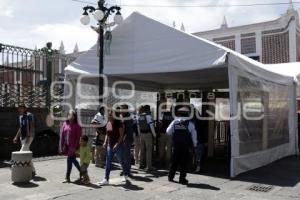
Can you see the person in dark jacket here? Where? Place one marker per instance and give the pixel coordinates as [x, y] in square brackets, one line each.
[128, 136]
[165, 140]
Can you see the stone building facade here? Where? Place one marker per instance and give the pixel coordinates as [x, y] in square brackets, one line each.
[276, 41]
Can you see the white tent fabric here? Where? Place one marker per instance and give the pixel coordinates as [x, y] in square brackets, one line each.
[132, 48]
[256, 143]
[157, 57]
[288, 69]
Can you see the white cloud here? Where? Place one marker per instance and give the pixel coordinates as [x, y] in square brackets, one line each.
[200, 19]
[39, 35]
[5, 9]
[71, 32]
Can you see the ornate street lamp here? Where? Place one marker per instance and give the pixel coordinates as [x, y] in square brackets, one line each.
[101, 14]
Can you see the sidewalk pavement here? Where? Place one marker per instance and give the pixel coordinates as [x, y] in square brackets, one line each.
[280, 178]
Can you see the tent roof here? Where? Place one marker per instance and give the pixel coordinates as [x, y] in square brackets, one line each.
[143, 45]
[288, 69]
[155, 55]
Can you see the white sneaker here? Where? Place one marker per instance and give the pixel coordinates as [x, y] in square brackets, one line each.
[125, 179]
[103, 182]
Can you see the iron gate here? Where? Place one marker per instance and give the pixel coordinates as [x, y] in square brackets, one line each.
[26, 75]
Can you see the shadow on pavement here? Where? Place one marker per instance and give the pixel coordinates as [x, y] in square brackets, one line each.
[4, 164]
[284, 173]
[91, 185]
[157, 174]
[216, 168]
[39, 179]
[26, 185]
[141, 178]
[129, 186]
[202, 186]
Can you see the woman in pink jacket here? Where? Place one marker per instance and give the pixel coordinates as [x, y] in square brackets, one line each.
[69, 142]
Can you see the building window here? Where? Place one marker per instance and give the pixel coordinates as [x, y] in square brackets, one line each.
[275, 48]
[248, 45]
[257, 58]
[229, 44]
[298, 46]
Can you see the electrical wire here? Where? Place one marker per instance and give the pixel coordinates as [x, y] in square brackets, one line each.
[197, 6]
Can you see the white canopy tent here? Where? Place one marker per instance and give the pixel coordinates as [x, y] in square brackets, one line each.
[288, 69]
[156, 57]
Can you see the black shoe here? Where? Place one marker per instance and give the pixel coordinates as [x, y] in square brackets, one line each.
[78, 180]
[183, 182]
[170, 179]
[151, 169]
[130, 175]
[198, 170]
[142, 167]
[67, 180]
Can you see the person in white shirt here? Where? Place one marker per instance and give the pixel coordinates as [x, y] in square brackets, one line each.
[99, 152]
[184, 136]
[26, 131]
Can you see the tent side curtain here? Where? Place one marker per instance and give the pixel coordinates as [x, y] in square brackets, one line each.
[263, 128]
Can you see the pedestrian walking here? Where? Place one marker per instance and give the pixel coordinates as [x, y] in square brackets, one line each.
[26, 131]
[85, 159]
[70, 142]
[128, 136]
[184, 136]
[114, 146]
[146, 131]
[99, 152]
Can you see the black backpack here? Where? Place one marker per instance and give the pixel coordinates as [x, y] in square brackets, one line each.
[166, 121]
[144, 126]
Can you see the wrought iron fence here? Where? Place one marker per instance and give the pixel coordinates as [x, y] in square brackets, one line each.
[26, 75]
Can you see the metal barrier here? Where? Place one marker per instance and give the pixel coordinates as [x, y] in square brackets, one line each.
[222, 138]
[26, 75]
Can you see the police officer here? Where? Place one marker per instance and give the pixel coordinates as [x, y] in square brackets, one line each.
[184, 137]
[146, 131]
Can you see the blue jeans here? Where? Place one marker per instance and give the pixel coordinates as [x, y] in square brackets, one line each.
[70, 161]
[109, 157]
[199, 155]
[127, 156]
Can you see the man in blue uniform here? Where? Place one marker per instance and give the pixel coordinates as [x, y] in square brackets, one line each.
[184, 136]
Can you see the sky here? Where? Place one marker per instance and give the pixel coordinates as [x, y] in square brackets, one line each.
[30, 23]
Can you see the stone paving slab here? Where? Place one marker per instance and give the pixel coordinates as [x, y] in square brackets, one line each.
[48, 184]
